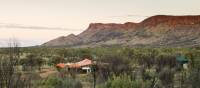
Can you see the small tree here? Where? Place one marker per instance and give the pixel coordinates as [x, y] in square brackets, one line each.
[123, 81]
[9, 75]
[116, 65]
[56, 59]
[57, 82]
[32, 61]
[167, 76]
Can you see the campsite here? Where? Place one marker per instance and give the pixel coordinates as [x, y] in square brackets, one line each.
[100, 67]
[100, 44]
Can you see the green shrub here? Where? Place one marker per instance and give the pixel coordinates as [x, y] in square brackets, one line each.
[122, 81]
[56, 82]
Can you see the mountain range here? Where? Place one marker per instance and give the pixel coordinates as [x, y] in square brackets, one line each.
[155, 31]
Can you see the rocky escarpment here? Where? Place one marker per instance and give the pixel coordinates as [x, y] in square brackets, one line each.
[155, 31]
[171, 21]
[112, 26]
[101, 32]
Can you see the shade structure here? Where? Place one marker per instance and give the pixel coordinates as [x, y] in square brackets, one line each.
[84, 62]
[73, 65]
[80, 64]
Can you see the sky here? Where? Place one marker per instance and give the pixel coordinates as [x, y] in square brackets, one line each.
[34, 22]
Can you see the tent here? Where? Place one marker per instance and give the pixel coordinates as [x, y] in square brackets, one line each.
[182, 59]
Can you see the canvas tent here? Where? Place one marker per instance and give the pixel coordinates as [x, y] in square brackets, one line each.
[182, 59]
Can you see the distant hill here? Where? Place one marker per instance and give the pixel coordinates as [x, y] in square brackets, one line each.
[155, 31]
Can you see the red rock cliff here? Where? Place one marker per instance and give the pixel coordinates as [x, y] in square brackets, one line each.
[171, 20]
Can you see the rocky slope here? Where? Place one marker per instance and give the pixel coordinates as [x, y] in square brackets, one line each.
[155, 31]
[64, 41]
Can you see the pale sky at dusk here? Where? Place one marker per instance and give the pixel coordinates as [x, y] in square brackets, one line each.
[34, 22]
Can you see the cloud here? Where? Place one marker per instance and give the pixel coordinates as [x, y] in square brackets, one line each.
[129, 15]
[20, 26]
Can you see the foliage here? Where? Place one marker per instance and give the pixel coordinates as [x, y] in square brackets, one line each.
[167, 76]
[10, 77]
[116, 64]
[144, 67]
[194, 78]
[56, 59]
[123, 81]
[57, 82]
[32, 61]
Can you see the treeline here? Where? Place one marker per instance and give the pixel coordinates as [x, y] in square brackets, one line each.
[122, 67]
[145, 67]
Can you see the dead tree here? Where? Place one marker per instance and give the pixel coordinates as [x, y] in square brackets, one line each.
[9, 76]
